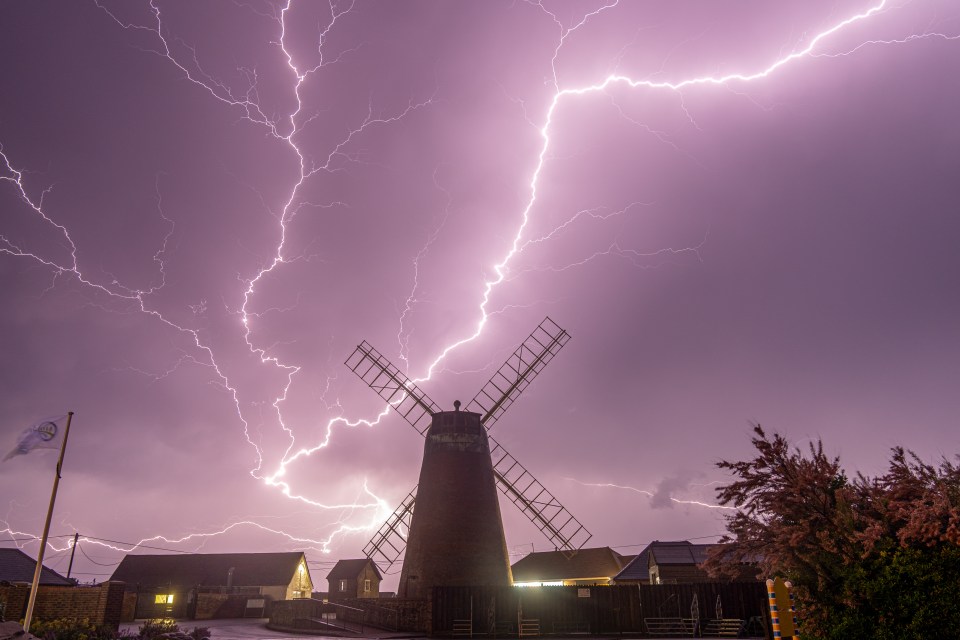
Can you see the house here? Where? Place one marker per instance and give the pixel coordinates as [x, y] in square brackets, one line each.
[212, 585]
[16, 566]
[667, 562]
[674, 562]
[678, 562]
[358, 578]
[585, 567]
[637, 571]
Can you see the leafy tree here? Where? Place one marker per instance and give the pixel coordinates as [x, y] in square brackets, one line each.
[870, 557]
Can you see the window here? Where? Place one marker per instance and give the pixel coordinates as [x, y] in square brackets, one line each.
[366, 586]
[163, 598]
[343, 585]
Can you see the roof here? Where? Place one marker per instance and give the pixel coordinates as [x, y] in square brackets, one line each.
[16, 566]
[662, 553]
[211, 569]
[638, 568]
[350, 569]
[678, 553]
[602, 562]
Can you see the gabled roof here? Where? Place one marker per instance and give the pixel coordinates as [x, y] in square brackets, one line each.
[350, 569]
[662, 553]
[16, 566]
[681, 552]
[211, 569]
[602, 562]
[638, 568]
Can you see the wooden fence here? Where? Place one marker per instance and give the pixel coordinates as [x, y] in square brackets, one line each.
[737, 608]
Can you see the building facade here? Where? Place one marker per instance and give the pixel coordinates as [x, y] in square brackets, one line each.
[674, 562]
[587, 567]
[211, 585]
[359, 578]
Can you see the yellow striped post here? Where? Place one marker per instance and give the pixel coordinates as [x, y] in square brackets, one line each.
[779, 598]
[793, 611]
[774, 616]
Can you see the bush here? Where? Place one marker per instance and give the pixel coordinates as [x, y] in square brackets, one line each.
[161, 629]
[64, 629]
[168, 629]
[874, 558]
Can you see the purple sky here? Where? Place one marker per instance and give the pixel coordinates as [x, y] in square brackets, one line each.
[782, 249]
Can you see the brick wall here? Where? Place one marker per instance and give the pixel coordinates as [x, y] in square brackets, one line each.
[129, 610]
[15, 601]
[288, 613]
[102, 604]
[407, 614]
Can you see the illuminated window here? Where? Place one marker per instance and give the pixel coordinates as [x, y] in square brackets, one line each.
[343, 585]
[161, 598]
[366, 586]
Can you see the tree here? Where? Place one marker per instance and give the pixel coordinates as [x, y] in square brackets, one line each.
[870, 557]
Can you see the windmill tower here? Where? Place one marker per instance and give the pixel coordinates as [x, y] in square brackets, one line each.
[456, 536]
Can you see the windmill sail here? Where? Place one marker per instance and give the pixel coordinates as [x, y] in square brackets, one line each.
[518, 371]
[557, 524]
[386, 547]
[404, 396]
[564, 531]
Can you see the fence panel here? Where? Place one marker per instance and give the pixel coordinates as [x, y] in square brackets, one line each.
[600, 610]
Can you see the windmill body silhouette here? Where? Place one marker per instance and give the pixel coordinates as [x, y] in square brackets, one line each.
[455, 537]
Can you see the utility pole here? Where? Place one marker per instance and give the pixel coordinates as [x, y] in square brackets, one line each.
[76, 537]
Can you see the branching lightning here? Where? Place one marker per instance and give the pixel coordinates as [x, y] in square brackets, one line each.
[651, 494]
[285, 131]
[403, 334]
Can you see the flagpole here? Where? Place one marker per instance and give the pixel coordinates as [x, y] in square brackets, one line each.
[46, 530]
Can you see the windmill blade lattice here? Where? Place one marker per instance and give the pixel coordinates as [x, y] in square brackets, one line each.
[557, 524]
[518, 371]
[387, 545]
[404, 396]
[564, 531]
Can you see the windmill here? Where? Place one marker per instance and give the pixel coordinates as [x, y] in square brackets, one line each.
[456, 537]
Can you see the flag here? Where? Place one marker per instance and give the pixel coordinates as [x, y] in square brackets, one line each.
[45, 434]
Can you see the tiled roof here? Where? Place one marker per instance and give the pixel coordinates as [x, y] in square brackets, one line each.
[679, 552]
[16, 566]
[638, 568]
[602, 562]
[210, 569]
[666, 552]
[350, 569]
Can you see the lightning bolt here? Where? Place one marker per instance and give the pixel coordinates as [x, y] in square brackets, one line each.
[255, 114]
[650, 494]
[322, 544]
[403, 335]
[286, 131]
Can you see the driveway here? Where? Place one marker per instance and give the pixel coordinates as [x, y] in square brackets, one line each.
[250, 629]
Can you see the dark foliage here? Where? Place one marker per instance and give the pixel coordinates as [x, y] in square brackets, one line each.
[870, 557]
[65, 629]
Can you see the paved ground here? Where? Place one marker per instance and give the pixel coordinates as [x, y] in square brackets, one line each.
[254, 629]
